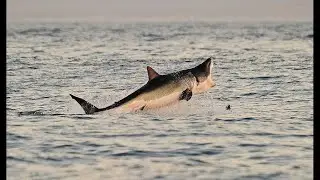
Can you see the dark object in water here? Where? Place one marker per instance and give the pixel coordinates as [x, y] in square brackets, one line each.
[228, 107]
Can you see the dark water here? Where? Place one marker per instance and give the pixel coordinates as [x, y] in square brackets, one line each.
[263, 71]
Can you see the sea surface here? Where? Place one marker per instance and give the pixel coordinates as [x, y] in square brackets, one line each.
[264, 71]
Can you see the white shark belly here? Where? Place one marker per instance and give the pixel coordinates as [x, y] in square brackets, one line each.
[163, 101]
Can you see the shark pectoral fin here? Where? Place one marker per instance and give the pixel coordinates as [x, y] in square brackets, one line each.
[186, 95]
[87, 107]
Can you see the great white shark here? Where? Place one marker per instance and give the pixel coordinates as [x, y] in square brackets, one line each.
[162, 90]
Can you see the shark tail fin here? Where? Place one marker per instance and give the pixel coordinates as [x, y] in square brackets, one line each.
[87, 107]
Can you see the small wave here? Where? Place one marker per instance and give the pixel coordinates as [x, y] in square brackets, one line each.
[262, 77]
[14, 136]
[249, 94]
[159, 177]
[40, 31]
[58, 159]
[156, 39]
[63, 146]
[257, 157]
[196, 134]
[26, 113]
[87, 143]
[99, 45]
[11, 158]
[183, 152]
[117, 30]
[51, 159]
[250, 49]
[78, 116]
[264, 134]
[135, 153]
[196, 144]
[283, 135]
[309, 36]
[236, 119]
[302, 135]
[152, 37]
[38, 51]
[161, 135]
[41, 113]
[262, 176]
[11, 34]
[198, 161]
[252, 145]
[121, 135]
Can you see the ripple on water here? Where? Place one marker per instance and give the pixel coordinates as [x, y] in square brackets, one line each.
[175, 153]
[236, 119]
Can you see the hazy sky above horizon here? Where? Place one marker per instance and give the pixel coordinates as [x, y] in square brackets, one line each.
[163, 10]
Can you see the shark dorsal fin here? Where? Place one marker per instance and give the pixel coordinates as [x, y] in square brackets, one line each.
[151, 73]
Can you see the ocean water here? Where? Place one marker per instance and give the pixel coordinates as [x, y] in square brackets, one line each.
[264, 71]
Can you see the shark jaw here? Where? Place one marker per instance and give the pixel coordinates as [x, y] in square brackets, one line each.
[203, 86]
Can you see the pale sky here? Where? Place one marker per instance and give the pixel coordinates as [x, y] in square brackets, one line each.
[159, 10]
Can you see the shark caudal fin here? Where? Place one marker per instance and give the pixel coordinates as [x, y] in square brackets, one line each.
[87, 107]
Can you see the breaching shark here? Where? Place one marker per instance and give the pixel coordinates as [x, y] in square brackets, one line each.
[161, 90]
